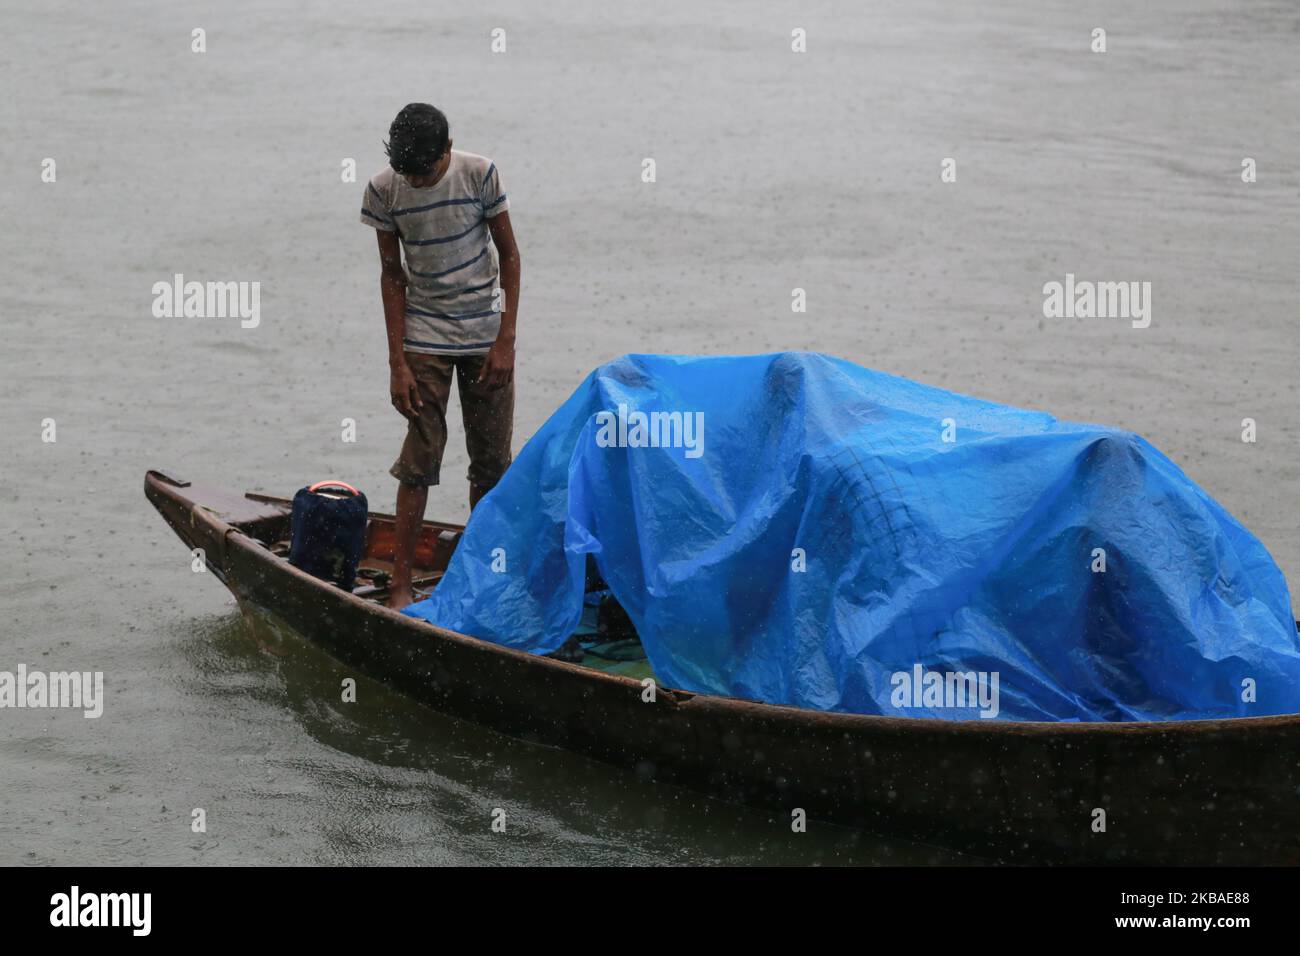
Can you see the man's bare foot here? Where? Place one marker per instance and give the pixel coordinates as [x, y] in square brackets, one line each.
[399, 599]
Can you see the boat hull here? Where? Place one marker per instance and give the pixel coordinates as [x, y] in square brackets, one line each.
[1205, 792]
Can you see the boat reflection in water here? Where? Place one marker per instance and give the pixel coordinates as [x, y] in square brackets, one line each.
[408, 785]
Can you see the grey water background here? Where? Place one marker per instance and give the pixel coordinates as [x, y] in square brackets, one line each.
[775, 171]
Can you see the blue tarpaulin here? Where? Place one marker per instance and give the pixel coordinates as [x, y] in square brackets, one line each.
[796, 529]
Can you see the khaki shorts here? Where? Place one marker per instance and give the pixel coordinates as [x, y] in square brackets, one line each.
[488, 416]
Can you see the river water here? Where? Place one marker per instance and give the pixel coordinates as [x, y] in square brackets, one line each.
[774, 171]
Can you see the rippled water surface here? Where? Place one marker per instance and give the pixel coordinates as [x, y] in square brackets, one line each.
[775, 171]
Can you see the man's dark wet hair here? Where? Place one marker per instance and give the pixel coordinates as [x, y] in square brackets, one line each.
[417, 139]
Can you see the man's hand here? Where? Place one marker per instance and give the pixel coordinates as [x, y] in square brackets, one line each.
[403, 390]
[499, 368]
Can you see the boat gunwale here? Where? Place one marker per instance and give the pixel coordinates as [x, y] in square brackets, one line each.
[783, 713]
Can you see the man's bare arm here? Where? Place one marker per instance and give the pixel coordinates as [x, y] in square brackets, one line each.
[392, 287]
[500, 365]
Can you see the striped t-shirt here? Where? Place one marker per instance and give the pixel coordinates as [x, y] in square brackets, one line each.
[451, 263]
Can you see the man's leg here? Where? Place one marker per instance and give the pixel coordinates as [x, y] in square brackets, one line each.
[411, 500]
[489, 417]
[417, 467]
[475, 493]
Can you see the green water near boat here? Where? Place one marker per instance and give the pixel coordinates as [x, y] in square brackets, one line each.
[410, 777]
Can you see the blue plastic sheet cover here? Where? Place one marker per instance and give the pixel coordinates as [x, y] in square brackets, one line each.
[842, 539]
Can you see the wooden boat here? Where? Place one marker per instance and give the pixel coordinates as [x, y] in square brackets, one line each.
[1209, 791]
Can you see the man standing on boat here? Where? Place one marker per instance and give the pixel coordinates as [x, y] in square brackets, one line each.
[450, 310]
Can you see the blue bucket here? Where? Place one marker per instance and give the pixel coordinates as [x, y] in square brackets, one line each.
[328, 531]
